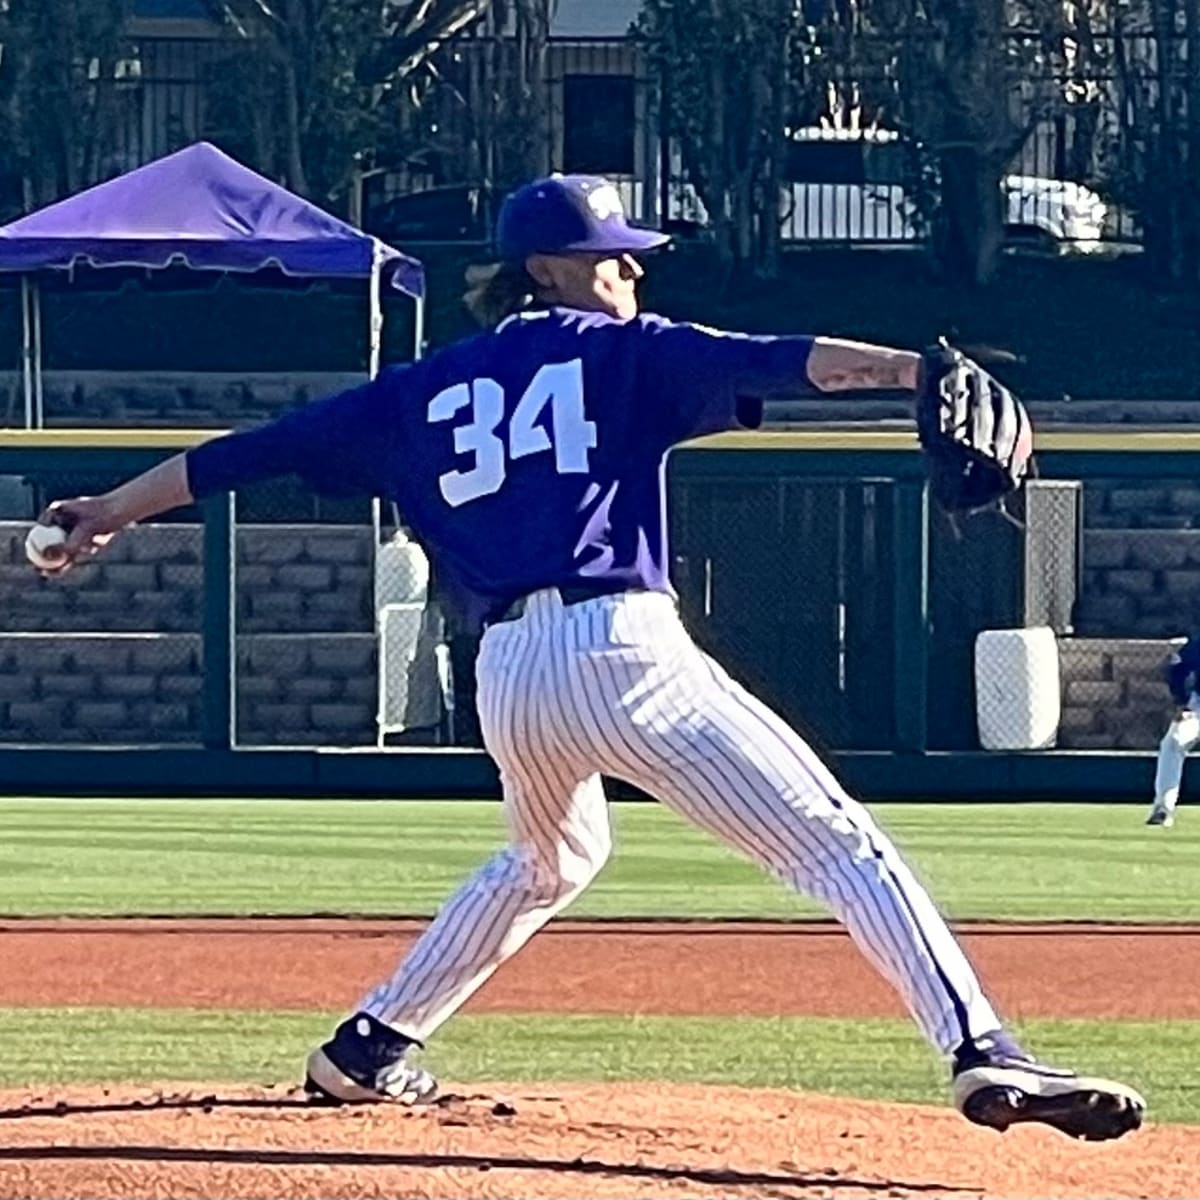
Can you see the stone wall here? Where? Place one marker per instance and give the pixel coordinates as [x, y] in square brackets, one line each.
[1113, 692]
[225, 399]
[1141, 562]
[136, 688]
[174, 399]
[290, 579]
[307, 654]
[111, 653]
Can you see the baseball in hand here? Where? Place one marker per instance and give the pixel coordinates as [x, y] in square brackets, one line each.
[44, 547]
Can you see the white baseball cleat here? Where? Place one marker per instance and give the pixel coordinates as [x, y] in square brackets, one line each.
[995, 1087]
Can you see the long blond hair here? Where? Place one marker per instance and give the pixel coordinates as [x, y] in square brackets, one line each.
[497, 290]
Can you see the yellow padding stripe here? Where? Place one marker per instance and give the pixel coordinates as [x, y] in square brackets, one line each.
[105, 439]
[844, 440]
[1115, 440]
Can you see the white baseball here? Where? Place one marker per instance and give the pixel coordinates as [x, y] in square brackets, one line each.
[43, 546]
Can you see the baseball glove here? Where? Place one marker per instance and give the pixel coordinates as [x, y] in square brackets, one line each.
[976, 434]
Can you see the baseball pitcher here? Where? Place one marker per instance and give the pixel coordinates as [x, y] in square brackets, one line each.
[529, 461]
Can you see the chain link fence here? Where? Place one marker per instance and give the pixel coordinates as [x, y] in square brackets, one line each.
[338, 640]
[1048, 626]
[110, 654]
[789, 584]
[595, 107]
[324, 592]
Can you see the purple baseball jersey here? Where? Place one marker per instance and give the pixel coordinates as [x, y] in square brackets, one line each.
[528, 457]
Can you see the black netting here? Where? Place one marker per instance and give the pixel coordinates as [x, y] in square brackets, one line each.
[788, 583]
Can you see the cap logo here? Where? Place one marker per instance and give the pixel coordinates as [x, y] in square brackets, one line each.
[605, 202]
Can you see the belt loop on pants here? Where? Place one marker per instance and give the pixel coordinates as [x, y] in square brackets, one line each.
[569, 594]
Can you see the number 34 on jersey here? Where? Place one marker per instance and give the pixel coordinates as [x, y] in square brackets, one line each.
[558, 386]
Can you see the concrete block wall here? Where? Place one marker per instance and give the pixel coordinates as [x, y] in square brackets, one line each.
[118, 659]
[305, 579]
[173, 399]
[100, 688]
[1113, 692]
[306, 689]
[230, 399]
[1140, 582]
[291, 579]
[137, 688]
[147, 580]
[111, 653]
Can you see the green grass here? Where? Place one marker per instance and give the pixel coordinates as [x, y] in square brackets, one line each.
[1029, 861]
[882, 1059]
[234, 857]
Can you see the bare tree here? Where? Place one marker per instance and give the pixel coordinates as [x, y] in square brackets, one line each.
[723, 70]
[511, 117]
[339, 69]
[58, 90]
[1158, 47]
[955, 87]
[967, 81]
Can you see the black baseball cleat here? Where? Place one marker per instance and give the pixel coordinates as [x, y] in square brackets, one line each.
[997, 1085]
[365, 1062]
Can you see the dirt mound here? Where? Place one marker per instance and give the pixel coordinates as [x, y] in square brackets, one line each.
[557, 1142]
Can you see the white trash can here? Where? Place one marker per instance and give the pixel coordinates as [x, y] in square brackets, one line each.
[1018, 697]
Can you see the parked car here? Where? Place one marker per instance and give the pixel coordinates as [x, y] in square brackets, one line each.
[851, 186]
[455, 213]
[840, 186]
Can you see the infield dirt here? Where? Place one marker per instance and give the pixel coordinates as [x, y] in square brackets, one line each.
[557, 1140]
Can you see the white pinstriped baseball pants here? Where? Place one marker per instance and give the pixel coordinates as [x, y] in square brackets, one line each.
[1177, 743]
[616, 685]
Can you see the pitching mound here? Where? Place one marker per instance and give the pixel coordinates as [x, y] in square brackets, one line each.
[555, 1142]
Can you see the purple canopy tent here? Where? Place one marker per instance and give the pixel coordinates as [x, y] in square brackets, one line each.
[201, 209]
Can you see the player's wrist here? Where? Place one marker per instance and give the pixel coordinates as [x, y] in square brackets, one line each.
[837, 365]
[112, 511]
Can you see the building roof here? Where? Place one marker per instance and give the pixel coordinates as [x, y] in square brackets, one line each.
[590, 18]
[173, 10]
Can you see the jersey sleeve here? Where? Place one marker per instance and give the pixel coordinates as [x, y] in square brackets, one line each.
[701, 380]
[339, 446]
[1183, 671]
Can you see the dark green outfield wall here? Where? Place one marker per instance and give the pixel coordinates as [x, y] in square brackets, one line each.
[1091, 329]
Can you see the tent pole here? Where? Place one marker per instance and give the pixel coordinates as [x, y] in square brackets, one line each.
[375, 332]
[26, 352]
[35, 306]
[419, 327]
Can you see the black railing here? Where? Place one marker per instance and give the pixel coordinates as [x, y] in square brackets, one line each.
[593, 105]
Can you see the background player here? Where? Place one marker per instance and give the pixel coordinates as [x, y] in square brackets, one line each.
[529, 461]
[1183, 678]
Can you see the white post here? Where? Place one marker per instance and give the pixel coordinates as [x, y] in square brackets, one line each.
[39, 409]
[26, 352]
[375, 333]
[419, 328]
[374, 352]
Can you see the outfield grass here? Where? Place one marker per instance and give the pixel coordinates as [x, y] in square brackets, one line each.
[1027, 861]
[881, 1059]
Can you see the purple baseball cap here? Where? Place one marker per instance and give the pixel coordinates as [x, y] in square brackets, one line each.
[562, 214]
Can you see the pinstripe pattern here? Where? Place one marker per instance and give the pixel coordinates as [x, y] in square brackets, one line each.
[1179, 740]
[616, 686]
